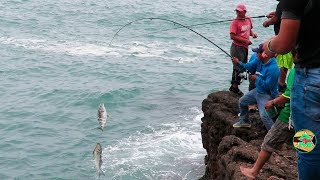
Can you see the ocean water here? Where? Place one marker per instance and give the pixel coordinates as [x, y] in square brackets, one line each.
[57, 65]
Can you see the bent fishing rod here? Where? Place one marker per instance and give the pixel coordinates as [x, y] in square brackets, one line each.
[201, 24]
[174, 22]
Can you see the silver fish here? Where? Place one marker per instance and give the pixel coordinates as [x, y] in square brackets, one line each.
[102, 116]
[97, 159]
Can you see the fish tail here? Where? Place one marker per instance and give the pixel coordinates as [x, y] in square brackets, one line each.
[100, 128]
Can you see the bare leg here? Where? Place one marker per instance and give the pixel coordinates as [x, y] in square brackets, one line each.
[263, 157]
[253, 108]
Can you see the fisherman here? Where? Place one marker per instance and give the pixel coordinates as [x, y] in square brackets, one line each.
[279, 132]
[240, 31]
[266, 77]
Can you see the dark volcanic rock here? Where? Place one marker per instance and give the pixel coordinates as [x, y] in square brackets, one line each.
[228, 148]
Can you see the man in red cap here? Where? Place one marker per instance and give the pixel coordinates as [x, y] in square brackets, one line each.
[240, 31]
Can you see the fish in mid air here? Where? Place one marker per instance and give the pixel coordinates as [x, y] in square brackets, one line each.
[102, 116]
[97, 159]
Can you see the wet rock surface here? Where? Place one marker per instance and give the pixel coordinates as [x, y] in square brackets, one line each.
[228, 148]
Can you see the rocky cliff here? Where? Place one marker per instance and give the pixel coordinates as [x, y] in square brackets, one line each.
[228, 148]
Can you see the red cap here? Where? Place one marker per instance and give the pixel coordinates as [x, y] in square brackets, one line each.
[241, 7]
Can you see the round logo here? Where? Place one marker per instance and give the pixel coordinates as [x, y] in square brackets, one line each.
[304, 141]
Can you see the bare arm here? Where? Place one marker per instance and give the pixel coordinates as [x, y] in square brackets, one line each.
[279, 101]
[285, 40]
[254, 35]
[270, 21]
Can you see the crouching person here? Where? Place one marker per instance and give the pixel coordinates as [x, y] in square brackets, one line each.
[266, 75]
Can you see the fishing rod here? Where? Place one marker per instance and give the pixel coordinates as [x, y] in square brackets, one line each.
[213, 22]
[174, 22]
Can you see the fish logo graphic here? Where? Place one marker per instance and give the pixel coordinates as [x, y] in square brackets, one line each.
[304, 141]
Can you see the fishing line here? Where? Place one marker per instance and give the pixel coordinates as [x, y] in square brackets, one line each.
[174, 22]
[201, 24]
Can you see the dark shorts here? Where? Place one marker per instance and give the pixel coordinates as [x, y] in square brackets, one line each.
[240, 52]
[276, 136]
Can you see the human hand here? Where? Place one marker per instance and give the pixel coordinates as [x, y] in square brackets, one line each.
[254, 35]
[248, 42]
[271, 14]
[269, 104]
[252, 77]
[265, 23]
[235, 60]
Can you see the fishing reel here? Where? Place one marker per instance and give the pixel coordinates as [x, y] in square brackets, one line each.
[243, 75]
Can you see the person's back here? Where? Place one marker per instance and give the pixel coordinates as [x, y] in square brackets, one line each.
[308, 39]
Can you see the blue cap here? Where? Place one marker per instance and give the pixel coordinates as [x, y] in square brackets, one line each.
[258, 49]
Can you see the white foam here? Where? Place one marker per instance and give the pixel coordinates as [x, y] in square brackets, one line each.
[140, 49]
[200, 50]
[163, 148]
[160, 50]
[71, 48]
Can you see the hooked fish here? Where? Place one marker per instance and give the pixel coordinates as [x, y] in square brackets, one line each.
[102, 116]
[97, 158]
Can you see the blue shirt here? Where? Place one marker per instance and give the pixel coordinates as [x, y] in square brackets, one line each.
[267, 74]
